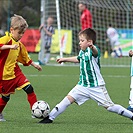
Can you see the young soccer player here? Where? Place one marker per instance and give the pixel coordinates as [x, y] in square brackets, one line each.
[91, 84]
[13, 51]
[113, 38]
[131, 85]
[47, 40]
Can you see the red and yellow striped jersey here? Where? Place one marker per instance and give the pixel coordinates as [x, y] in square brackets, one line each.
[9, 58]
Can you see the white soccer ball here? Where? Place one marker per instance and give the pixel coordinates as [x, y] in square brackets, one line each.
[113, 54]
[40, 109]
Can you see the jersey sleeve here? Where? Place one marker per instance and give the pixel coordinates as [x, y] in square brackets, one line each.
[5, 39]
[23, 56]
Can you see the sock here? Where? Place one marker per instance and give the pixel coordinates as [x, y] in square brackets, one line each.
[120, 110]
[115, 53]
[31, 98]
[120, 50]
[47, 56]
[59, 108]
[2, 104]
[131, 97]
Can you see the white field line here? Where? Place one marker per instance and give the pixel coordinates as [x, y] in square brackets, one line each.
[108, 76]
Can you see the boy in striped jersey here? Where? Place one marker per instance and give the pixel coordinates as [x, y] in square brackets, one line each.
[91, 84]
[46, 42]
[131, 85]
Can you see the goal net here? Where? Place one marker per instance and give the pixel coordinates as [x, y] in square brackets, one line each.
[118, 13]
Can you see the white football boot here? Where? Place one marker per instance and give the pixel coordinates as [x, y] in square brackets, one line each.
[2, 117]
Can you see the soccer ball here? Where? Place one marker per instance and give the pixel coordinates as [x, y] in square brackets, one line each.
[40, 109]
[113, 54]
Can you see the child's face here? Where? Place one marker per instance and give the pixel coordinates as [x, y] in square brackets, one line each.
[17, 34]
[50, 20]
[81, 7]
[83, 42]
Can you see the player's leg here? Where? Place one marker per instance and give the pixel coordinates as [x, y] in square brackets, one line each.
[7, 88]
[47, 54]
[61, 107]
[120, 49]
[3, 102]
[31, 96]
[77, 94]
[23, 83]
[103, 99]
[47, 57]
[116, 108]
[131, 101]
[112, 42]
[116, 54]
[131, 96]
[41, 53]
[58, 109]
[40, 56]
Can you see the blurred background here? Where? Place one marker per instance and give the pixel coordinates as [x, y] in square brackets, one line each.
[67, 19]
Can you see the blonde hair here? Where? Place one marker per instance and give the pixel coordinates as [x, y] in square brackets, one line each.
[18, 22]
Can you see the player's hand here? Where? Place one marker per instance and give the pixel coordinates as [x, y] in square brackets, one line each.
[60, 60]
[130, 53]
[41, 26]
[14, 46]
[45, 29]
[90, 45]
[38, 67]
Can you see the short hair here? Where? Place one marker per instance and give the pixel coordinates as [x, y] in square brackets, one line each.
[18, 22]
[83, 3]
[89, 33]
[50, 17]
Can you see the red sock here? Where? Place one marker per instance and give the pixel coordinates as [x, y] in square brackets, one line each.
[2, 104]
[31, 98]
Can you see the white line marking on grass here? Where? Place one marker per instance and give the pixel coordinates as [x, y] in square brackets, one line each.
[108, 76]
[115, 76]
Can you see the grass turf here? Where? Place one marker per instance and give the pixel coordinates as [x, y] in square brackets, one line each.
[52, 84]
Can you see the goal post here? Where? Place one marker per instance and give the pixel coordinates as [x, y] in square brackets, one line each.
[66, 15]
[59, 27]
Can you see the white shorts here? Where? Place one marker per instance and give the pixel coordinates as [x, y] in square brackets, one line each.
[98, 94]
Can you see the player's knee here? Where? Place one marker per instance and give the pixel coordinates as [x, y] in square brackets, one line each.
[28, 89]
[6, 98]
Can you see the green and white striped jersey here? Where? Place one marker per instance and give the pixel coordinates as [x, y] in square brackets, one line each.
[90, 75]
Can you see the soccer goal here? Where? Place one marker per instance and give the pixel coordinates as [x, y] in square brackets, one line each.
[118, 13]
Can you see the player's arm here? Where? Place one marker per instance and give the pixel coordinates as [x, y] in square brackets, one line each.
[47, 32]
[4, 47]
[69, 59]
[94, 49]
[25, 59]
[40, 28]
[38, 67]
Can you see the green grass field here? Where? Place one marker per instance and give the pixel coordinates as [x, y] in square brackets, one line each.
[51, 85]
